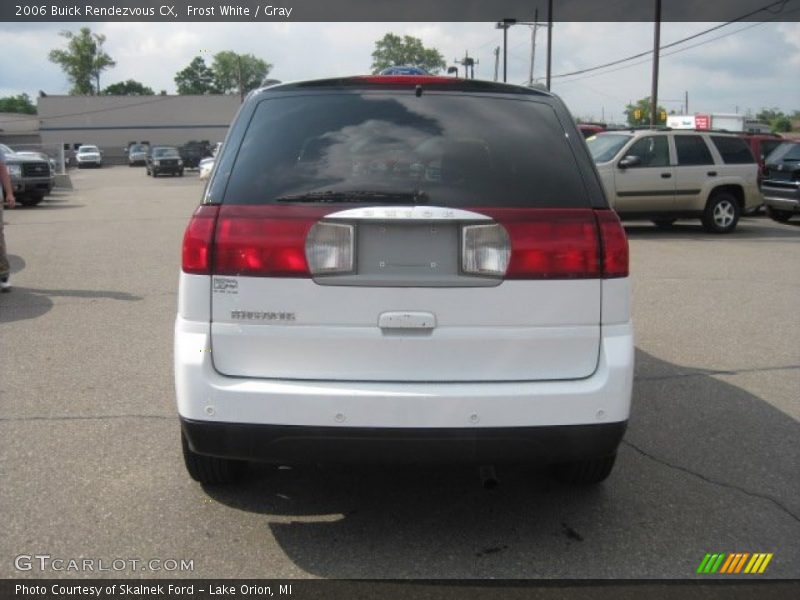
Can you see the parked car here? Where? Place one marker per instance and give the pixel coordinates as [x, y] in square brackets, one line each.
[762, 144]
[590, 129]
[31, 176]
[410, 269]
[42, 156]
[193, 152]
[164, 159]
[137, 154]
[665, 175]
[89, 156]
[781, 187]
[205, 168]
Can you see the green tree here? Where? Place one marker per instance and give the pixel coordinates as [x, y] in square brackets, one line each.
[17, 104]
[639, 114]
[238, 72]
[768, 115]
[195, 79]
[83, 60]
[781, 125]
[128, 88]
[392, 50]
[779, 122]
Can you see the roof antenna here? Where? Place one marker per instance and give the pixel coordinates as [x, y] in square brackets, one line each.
[418, 91]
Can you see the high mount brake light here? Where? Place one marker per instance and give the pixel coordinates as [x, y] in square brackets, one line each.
[407, 79]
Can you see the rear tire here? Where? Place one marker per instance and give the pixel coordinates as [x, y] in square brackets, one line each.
[781, 216]
[584, 472]
[31, 199]
[722, 213]
[210, 469]
[664, 223]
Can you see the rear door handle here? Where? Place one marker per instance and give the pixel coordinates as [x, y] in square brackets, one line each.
[666, 175]
[406, 320]
[712, 173]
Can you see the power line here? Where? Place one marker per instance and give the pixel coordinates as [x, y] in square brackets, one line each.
[767, 8]
[642, 62]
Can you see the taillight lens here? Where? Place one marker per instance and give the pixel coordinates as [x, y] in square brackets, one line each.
[486, 250]
[615, 244]
[329, 248]
[563, 243]
[198, 239]
[264, 241]
[550, 243]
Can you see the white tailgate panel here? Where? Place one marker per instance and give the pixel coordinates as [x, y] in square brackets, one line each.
[296, 329]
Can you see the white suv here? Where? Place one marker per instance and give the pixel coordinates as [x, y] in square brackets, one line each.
[665, 175]
[403, 269]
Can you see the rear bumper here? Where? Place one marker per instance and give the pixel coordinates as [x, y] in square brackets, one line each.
[783, 198]
[205, 395]
[283, 444]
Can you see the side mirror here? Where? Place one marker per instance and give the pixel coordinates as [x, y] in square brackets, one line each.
[629, 161]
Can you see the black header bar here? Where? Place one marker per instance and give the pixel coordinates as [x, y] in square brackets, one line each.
[393, 10]
[310, 589]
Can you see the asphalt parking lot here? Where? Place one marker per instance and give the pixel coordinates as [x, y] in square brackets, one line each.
[90, 463]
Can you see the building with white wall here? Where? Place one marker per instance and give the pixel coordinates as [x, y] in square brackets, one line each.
[111, 122]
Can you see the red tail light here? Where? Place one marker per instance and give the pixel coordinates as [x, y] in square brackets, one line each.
[550, 243]
[266, 241]
[270, 241]
[615, 244]
[198, 239]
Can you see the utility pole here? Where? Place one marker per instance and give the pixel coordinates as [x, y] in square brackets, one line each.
[496, 62]
[549, 39]
[533, 44]
[686, 102]
[469, 65]
[504, 25]
[656, 52]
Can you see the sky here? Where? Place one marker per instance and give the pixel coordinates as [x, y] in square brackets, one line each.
[739, 68]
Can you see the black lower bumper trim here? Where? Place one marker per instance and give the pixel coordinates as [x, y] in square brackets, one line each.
[289, 444]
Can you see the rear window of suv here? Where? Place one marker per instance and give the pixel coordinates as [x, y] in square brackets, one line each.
[734, 150]
[450, 149]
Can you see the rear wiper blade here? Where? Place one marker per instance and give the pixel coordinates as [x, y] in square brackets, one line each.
[399, 197]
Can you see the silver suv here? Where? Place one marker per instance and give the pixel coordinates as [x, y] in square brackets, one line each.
[403, 269]
[665, 175]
